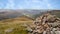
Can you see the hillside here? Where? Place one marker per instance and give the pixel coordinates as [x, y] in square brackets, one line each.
[21, 18]
[53, 12]
[6, 14]
[9, 14]
[15, 25]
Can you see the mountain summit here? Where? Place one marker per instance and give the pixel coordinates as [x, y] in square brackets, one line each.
[45, 22]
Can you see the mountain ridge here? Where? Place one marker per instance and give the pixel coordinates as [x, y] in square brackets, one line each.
[5, 14]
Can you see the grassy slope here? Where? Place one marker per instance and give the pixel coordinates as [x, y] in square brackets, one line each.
[53, 12]
[56, 12]
[17, 24]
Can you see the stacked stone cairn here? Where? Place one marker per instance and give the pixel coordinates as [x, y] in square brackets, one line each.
[46, 24]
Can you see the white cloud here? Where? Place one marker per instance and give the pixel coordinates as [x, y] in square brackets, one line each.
[36, 1]
[10, 4]
[49, 6]
[34, 4]
[46, 4]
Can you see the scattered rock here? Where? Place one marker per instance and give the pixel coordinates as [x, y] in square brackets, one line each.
[9, 30]
[46, 23]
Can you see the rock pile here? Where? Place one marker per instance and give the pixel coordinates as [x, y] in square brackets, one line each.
[46, 24]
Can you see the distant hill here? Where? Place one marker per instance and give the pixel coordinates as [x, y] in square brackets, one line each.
[6, 14]
[55, 12]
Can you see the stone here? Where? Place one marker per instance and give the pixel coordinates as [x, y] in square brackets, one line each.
[46, 23]
[9, 30]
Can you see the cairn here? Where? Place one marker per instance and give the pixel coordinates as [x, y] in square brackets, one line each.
[46, 24]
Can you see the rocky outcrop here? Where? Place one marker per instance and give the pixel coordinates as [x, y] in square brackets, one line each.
[46, 24]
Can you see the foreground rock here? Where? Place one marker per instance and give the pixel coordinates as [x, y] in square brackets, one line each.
[9, 30]
[46, 24]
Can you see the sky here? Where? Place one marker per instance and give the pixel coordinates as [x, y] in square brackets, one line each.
[29, 4]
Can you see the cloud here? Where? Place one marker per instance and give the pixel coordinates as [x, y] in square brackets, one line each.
[28, 4]
[46, 4]
[33, 4]
[10, 4]
[36, 1]
[49, 6]
[43, 4]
